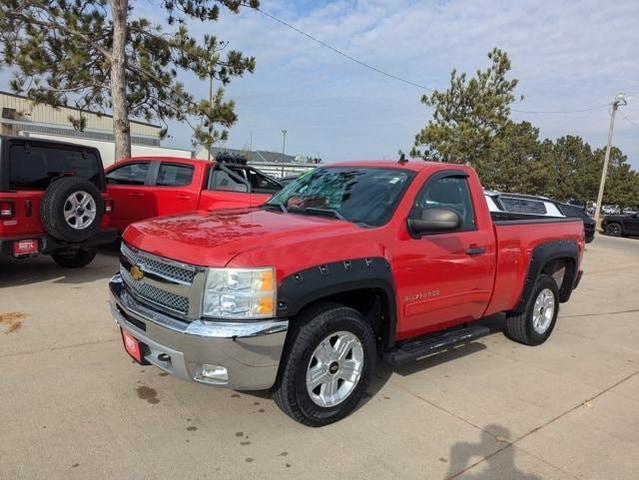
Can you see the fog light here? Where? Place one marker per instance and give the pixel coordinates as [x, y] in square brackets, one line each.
[212, 374]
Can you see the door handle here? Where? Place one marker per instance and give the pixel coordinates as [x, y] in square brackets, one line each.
[136, 195]
[475, 250]
[184, 197]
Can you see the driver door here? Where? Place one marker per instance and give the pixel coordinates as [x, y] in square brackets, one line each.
[444, 278]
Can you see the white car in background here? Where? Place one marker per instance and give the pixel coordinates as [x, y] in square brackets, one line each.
[529, 206]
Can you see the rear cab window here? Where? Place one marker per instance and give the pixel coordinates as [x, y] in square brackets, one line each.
[174, 175]
[32, 165]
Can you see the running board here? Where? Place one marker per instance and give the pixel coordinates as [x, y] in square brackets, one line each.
[413, 350]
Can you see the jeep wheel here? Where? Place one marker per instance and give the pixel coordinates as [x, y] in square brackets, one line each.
[536, 323]
[613, 229]
[72, 209]
[327, 365]
[74, 258]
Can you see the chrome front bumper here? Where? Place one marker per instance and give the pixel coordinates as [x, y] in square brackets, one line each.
[250, 351]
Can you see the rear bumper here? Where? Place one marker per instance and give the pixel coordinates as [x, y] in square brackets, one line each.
[249, 351]
[47, 244]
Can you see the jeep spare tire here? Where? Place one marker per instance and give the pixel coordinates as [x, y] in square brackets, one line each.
[71, 209]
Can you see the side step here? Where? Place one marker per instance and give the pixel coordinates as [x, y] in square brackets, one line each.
[413, 350]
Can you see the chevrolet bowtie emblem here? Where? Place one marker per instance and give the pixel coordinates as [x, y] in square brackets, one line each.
[137, 273]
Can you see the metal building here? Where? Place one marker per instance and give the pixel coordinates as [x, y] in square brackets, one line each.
[20, 116]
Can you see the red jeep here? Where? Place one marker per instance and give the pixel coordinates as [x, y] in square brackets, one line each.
[349, 263]
[52, 201]
[146, 187]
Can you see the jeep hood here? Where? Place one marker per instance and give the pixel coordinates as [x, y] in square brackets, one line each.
[213, 239]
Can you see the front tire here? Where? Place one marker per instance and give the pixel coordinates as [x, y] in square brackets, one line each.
[535, 324]
[613, 229]
[327, 365]
[74, 258]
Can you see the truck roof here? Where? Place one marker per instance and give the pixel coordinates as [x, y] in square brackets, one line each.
[413, 165]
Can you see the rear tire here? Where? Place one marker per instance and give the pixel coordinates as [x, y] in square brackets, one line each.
[334, 347]
[535, 324]
[74, 258]
[613, 229]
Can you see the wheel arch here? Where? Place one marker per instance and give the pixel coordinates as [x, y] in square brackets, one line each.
[364, 284]
[558, 259]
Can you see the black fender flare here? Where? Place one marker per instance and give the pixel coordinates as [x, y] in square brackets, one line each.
[300, 289]
[541, 256]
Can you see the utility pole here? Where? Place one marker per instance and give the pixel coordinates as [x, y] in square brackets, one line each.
[283, 142]
[620, 100]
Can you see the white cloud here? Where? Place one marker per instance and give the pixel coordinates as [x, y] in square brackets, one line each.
[567, 55]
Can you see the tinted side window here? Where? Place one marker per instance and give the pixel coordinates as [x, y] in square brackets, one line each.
[33, 167]
[130, 174]
[221, 180]
[522, 205]
[260, 181]
[174, 175]
[450, 192]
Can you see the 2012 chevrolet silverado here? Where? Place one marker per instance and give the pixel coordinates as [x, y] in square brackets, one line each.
[348, 264]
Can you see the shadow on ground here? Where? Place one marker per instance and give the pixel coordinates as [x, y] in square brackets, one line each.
[498, 465]
[14, 272]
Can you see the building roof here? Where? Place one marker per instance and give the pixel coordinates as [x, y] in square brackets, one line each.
[89, 112]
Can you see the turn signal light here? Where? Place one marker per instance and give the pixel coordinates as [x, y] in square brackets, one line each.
[7, 209]
[108, 206]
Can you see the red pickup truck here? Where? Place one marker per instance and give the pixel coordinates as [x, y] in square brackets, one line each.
[53, 201]
[146, 187]
[348, 263]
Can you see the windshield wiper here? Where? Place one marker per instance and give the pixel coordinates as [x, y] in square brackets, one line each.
[325, 211]
[278, 206]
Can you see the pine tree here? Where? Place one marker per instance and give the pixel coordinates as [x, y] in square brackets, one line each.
[469, 116]
[98, 55]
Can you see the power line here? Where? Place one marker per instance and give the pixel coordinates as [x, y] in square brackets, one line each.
[629, 121]
[343, 54]
[588, 109]
[401, 79]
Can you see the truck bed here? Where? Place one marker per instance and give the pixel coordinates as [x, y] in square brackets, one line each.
[515, 239]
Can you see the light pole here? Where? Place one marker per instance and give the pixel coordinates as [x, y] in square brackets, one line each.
[283, 142]
[620, 100]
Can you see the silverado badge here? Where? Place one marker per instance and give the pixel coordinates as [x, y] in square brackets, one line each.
[137, 273]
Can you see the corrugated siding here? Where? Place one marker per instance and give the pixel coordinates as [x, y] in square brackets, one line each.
[46, 114]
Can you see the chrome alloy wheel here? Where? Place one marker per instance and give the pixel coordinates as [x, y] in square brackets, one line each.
[80, 210]
[335, 369]
[543, 311]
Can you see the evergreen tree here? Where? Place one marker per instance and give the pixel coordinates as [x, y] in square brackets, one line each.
[469, 116]
[98, 55]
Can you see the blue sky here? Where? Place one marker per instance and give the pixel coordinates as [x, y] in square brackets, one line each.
[567, 55]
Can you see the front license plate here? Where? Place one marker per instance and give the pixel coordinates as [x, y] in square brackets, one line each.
[131, 345]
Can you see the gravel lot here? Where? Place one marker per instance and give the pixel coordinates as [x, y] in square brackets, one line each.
[72, 404]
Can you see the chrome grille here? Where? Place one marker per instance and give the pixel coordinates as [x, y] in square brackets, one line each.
[162, 298]
[183, 274]
[168, 285]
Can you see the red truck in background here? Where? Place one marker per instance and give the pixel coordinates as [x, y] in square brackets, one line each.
[147, 187]
[53, 201]
[347, 264]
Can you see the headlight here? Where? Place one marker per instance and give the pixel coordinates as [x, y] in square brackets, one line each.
[240, 293]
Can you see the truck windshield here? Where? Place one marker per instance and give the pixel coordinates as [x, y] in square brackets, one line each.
[366, 196]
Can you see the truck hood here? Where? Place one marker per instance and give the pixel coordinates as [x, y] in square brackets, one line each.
[213, 239]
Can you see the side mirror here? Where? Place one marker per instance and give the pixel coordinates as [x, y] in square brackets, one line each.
[434, 220]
